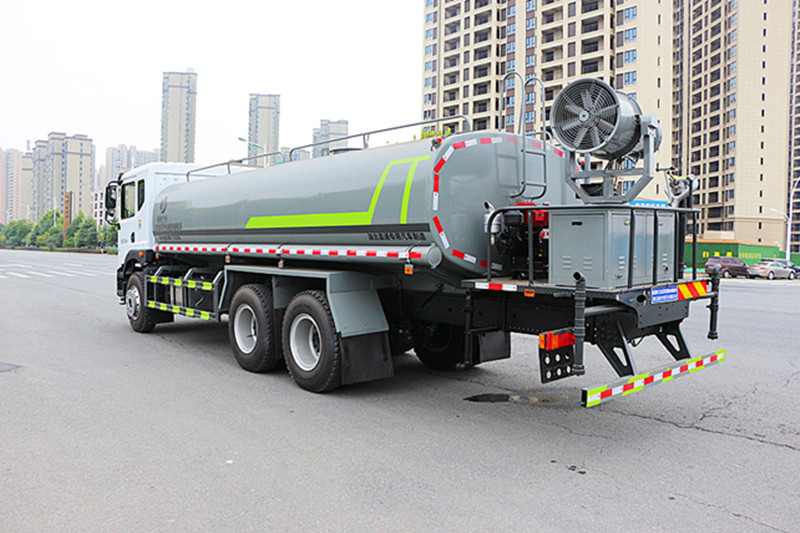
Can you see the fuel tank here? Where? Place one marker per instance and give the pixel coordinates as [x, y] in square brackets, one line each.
[417, 194]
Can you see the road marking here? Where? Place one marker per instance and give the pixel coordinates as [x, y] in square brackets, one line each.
[18, 275]
[100, 272]
[2, 277]
[19, 265]
[40, 274]
[72, 264]
[81, 273]
[63, 274]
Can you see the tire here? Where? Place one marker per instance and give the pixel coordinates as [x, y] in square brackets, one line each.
[726, 273]
[771, 275]
[792, 275]
[440, 346]
[141, 317]
[251, 328]
[311, 346]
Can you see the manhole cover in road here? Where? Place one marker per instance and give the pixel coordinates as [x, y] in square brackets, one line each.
[5, 367]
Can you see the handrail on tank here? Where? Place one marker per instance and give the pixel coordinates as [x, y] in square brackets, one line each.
[365, 136]
[521, 129]
[632, 231]
[234, 161]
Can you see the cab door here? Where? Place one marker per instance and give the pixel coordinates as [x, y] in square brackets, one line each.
[133, 234]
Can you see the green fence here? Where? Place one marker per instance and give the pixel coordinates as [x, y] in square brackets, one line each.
[750, 253]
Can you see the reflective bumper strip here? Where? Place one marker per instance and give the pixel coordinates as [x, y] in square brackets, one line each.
[194, 313]
[495, 286]
[178, 282]
[625, 386]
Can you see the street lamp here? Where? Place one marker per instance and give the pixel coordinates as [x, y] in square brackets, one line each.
[54, 208]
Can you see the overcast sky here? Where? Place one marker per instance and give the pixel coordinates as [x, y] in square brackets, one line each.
[95, 67]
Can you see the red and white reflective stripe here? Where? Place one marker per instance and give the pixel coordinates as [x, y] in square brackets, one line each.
[436, 191]
[440, 230]
[199, 248]
[466, 257]
[257, 249]
[495, 286]
[544, 234]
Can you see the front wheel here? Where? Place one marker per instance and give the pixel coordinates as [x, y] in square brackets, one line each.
[251, 328]
[311, 346]
[791, 275]
[140, 316]
[726, 273]
[771, 275]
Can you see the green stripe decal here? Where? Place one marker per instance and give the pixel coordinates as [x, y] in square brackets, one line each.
[358, 218]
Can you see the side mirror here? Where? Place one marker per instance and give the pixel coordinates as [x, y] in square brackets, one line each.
[111, 195]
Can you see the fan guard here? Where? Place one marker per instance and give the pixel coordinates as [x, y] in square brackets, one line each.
[588, 116]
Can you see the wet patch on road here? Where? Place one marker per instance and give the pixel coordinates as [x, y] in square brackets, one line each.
[539, 399]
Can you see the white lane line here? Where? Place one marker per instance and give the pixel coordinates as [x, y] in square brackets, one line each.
[40, 274]
[72, 264]
[19, 265]
[63, 274]
[2, 277]
[100, 272]
[81, 273]
[18, 275]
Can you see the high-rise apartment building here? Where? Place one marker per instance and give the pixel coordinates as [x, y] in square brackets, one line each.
[794, 129]
[59, 165]
[16, 190]
[328, 130]
[464, 59]
[178, 116]
[730, 121]
[120, 159]
[264, 127]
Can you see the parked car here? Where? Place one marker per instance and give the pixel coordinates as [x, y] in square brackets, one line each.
[770, 269]
[729, 266]
[789, 264]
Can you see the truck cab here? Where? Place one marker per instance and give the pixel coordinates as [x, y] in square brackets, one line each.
[131, 200]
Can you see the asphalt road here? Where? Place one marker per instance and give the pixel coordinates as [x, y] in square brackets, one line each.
[104, 429]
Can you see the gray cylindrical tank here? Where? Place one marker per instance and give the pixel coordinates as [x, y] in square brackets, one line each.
[412, 194]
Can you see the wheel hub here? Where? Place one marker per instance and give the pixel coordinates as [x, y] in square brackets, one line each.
[132, 303]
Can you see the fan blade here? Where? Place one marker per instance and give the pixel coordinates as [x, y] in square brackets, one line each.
[609, 127]
[595, 138]
[572, 108]
[586, 98]
[607, 109]
[570, 124]
[579, 137]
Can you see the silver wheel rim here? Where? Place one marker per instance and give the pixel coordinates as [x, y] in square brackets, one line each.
[133, 303]
[244, 328]
[305, 342]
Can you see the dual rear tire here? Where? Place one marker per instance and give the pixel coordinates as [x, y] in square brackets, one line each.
[311, 347]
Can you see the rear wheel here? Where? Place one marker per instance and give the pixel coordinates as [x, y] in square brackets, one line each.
[771, 275]
[440, 346]
[792, 275]
[141, 317]
[251, 328]
[311, 345]
[726, 273]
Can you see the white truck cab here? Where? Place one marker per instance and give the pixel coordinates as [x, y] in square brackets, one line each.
[138, 189]
[130, 200]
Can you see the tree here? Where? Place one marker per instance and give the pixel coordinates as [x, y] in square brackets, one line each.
[17, 232]
[86, 235]
[110, 236]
